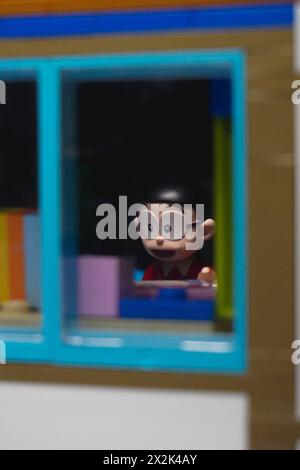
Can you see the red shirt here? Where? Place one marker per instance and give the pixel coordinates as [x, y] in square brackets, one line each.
[155, 272]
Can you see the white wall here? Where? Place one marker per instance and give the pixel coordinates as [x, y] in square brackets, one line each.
[35, 416]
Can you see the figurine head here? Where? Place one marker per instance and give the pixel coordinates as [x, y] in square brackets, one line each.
[170, 222]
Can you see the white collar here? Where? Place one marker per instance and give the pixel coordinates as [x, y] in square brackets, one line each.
[183, 266]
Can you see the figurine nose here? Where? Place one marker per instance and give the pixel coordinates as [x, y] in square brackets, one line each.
[160, 240]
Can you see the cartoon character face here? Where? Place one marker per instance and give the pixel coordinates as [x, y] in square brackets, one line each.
[167, 231]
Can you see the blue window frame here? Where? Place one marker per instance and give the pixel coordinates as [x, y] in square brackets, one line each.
[28, 343]
[185, 351]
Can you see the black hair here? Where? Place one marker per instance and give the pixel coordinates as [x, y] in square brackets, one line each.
[172, 191]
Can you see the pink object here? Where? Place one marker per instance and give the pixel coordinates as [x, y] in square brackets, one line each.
[198, 292]
[102, 281]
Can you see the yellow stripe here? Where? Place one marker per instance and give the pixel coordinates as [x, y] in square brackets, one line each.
[4, 266]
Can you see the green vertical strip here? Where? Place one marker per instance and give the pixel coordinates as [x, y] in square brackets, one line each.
[223, 215]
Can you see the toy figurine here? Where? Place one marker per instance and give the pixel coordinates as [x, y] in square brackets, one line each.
[176, 254]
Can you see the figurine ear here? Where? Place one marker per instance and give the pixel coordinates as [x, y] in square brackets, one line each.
[209, 229]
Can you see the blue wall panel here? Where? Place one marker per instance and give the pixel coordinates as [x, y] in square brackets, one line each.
[265, 16]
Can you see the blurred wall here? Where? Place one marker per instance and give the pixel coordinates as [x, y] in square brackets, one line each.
[38, 416]
[297, 198]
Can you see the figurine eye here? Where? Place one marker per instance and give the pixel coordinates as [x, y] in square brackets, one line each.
[148, 225]
[172, 225]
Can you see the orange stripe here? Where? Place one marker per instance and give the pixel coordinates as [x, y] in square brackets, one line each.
[18, 7]
[4, 261]
[16, 256]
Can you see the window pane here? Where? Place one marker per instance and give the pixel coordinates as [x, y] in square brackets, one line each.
[119, 136]
[20, 297]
